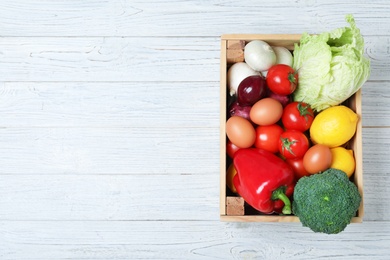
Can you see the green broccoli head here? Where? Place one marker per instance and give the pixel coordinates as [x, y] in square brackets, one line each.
[326, 202]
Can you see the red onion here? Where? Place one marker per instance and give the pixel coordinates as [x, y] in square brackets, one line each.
[238, 110]
[251, 90]
[284, 100]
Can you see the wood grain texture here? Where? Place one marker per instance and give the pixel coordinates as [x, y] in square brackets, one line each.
[375, 104]
[108, 150]
[109, 130]
[186, 18]
[138, 104]
[109, 59]
[109, 197]
[133, 58]
[187, 240]
[109, 104]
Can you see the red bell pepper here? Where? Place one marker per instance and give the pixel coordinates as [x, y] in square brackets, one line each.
[264, 180]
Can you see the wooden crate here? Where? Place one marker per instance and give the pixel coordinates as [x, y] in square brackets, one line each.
[232, 51]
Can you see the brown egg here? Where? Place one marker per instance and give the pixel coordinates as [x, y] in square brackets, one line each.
[266, 111]
[317, 159]
[240, 131]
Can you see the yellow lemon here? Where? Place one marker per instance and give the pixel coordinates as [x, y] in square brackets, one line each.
[343, 159]
[334, 126]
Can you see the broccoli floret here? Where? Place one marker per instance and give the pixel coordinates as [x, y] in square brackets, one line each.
[326, 202]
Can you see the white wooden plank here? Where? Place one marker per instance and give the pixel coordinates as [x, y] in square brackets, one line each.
[133, 58]
[109, 59]
[186, 18]
[379, 55]
[109, 197]
[135, 104]
[112, 104]
[188, 240]
[375, 104]
[376, 150]
[109, 150]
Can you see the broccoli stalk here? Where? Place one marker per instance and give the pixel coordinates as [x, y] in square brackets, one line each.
[326, 202]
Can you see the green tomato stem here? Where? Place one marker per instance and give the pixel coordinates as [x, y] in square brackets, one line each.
[304, 111]
[291, 78]
[287, 145]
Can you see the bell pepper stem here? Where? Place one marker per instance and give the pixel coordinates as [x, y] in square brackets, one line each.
[280, 194]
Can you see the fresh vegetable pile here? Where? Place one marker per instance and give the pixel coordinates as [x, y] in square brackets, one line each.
[288, 129]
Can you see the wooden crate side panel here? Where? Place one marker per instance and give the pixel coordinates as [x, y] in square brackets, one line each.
[355, 220]
[284, 40]
[222, 110]
[356, 145]
[260, 218]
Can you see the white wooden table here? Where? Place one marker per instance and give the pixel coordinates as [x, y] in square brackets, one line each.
[109, 130]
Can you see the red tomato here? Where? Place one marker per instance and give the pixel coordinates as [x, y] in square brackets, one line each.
[267, 137]
[231, 148]
[297, 116]
[282, 79]
[298, 168]
[293, 144]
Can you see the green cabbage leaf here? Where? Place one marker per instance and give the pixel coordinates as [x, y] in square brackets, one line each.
[331, 66]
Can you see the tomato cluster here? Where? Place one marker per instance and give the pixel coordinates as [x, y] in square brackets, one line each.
[289, 136]
[286, 136]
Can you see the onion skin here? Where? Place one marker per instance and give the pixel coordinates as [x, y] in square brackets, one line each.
[237, 73]
[284, 100]
[283, 55]
[251, 90]
[238, 110]
[259, 55]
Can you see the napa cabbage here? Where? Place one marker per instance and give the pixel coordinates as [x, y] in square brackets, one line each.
[331, 66]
